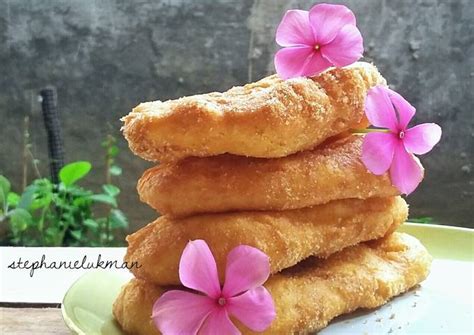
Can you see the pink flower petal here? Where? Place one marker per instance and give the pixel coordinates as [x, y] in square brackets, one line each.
[327, 20]
[254, 308]
[346, 48]
[294, 29]
[218, 323]
[422, 138]
[247, 268]
[180, 312]
[290, 62]
[198, 270]
[315, 65]
[377, 152]
[406, 171]
[379, 109]
[404, 110]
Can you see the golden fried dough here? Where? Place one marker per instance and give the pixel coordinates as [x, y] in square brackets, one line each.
[132, 308]
[308, 296]
[269, 118]
[227, 183]
[287, 237]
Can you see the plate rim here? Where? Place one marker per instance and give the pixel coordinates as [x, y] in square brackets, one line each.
[438, 226]
[72, 326]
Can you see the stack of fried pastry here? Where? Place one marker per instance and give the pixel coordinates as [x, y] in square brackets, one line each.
[272, 165]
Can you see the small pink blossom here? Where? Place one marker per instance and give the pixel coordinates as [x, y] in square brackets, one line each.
[316, 40]
[242, 296]
[395, 149]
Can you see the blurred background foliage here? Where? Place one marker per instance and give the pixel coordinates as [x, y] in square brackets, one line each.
[64, 214]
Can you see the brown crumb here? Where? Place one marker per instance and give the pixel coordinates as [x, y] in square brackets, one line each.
[414, 304]
[378, 320]
[392, 316]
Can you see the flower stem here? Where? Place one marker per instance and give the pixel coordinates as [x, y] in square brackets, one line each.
[369, 130]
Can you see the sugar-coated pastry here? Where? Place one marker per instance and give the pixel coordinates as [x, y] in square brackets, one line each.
[269, 118]
[287, 237]
[231, 183]
[308, 296]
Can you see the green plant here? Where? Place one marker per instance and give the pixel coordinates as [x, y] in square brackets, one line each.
[111, 151]
[65, 214]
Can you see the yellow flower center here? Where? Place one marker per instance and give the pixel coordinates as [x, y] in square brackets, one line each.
[317, 47]
[221, 301]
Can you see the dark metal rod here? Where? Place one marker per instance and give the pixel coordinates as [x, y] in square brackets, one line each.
[54, 133]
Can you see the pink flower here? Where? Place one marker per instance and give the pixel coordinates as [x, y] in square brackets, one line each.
[316, 40]
[242, 296]
[394, 149]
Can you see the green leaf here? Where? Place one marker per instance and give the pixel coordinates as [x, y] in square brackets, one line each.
[13, 199]
[82, 201]
[78, 191]
[91, 224]
[115, 170]
[111, 190]
[20, 219]
[39, 195]
[4, 185]
[42, 201]
[73, 172]
[4, 190]
[77, 234]
[113, 151]
[27, 197]
[104, 198]
[118, 219]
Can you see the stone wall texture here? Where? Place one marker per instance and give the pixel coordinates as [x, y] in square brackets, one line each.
[104, 57]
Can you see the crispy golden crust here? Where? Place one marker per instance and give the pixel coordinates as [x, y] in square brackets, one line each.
[132, 308]
[228, 183]
[269, 118]
[287, 237]
[308, 296]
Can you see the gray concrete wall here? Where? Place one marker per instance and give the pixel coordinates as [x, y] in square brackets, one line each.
[106, 56]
